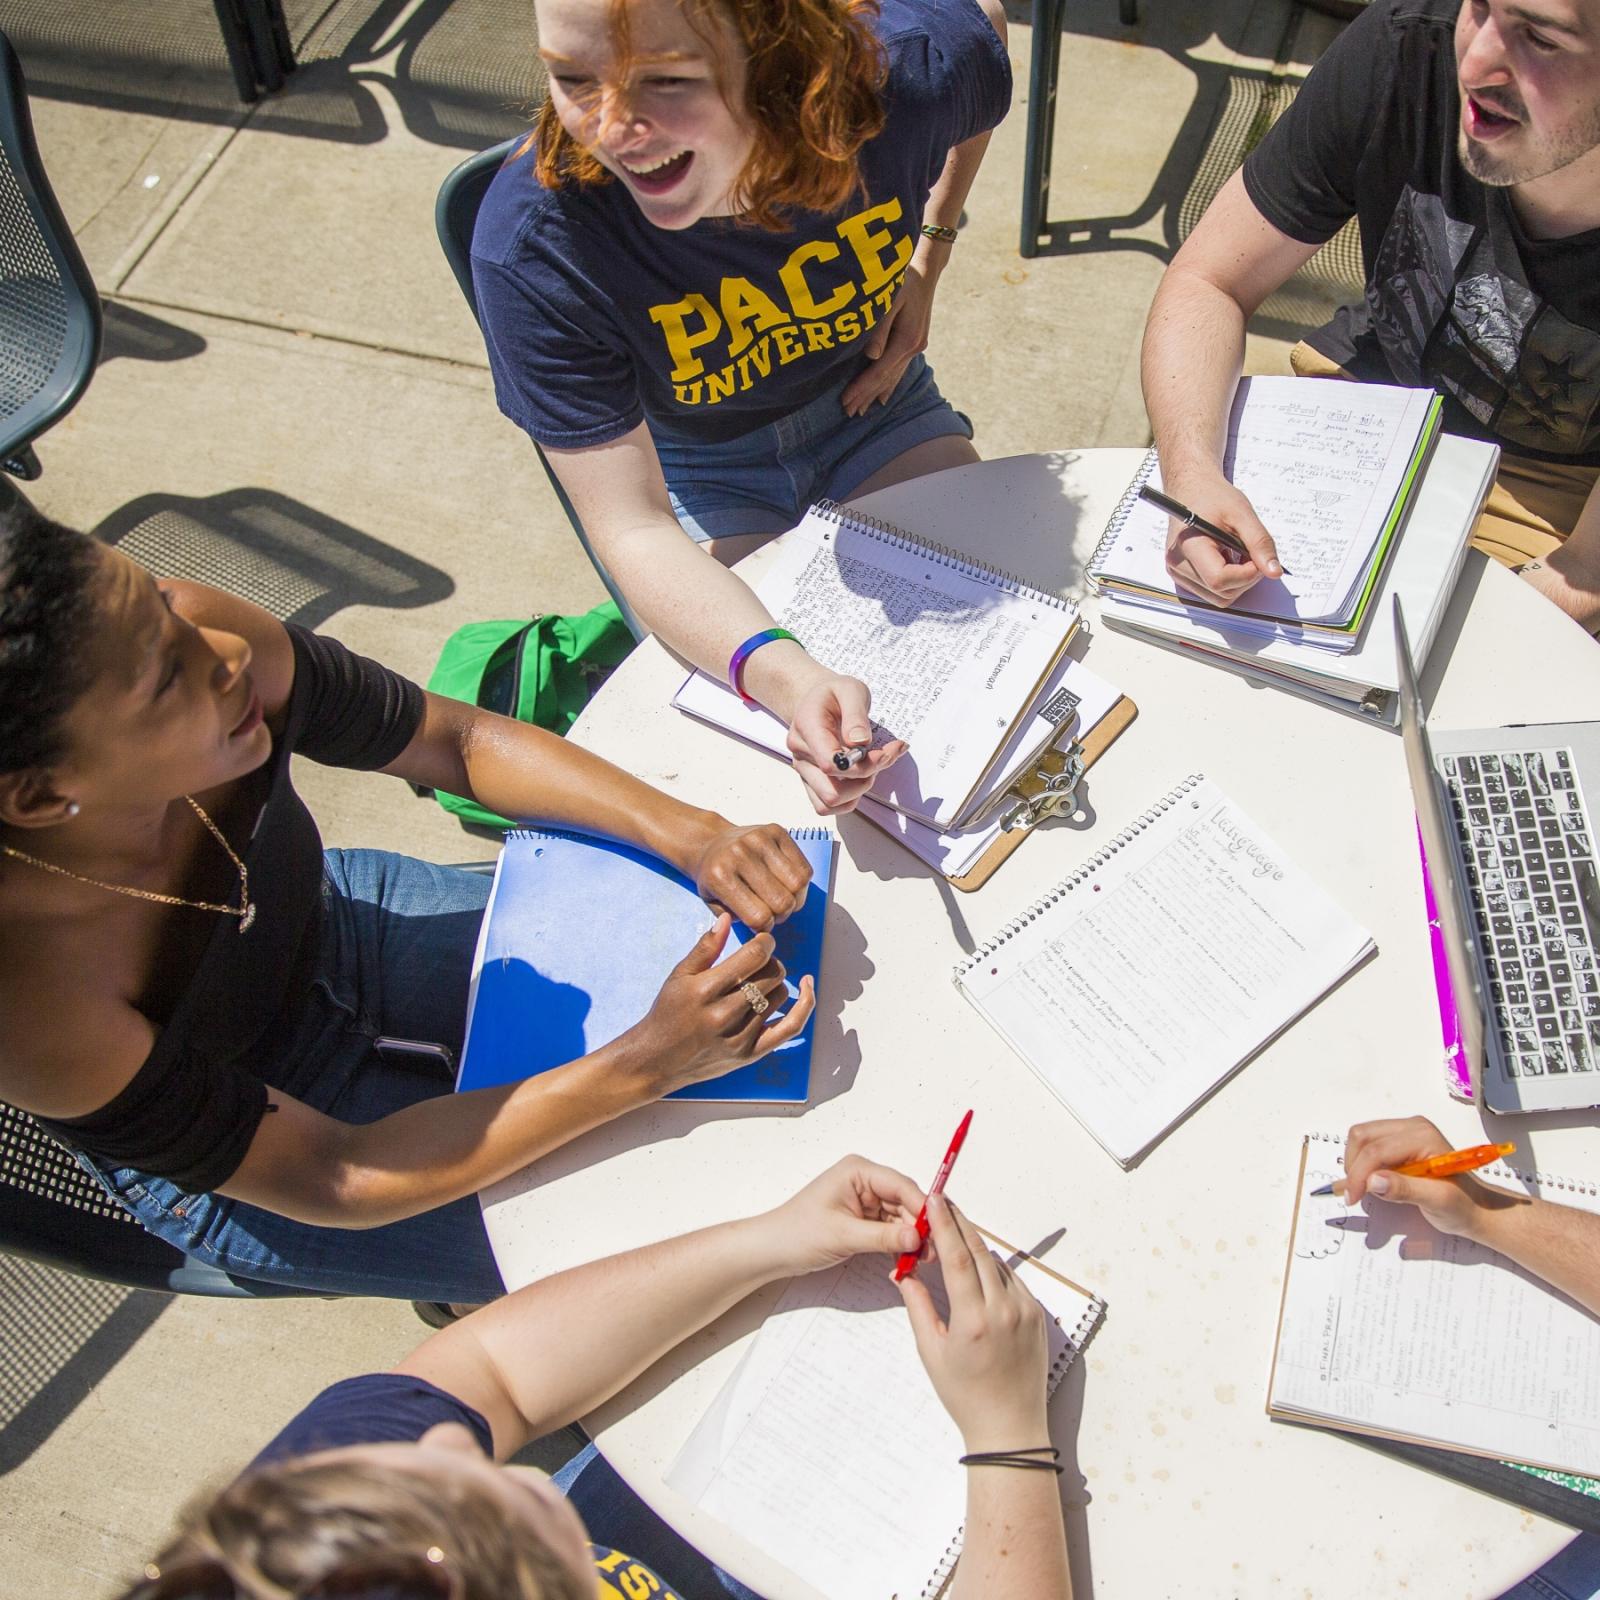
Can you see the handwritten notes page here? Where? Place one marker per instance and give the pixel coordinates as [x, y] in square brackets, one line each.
[953, 657]
[1157, 970]
[1391, 1327]
[828, 1447]
[1322, 463]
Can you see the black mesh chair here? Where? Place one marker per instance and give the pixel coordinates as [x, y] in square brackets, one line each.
[454, 214]
[49, 311]
[52, 1211]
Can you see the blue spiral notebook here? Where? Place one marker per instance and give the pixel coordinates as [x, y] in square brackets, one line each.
[578, 938]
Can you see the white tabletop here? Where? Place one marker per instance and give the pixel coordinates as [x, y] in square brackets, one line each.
[1177, 1482]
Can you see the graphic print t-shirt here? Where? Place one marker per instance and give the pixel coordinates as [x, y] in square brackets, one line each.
[595, 320]
[1459, 296]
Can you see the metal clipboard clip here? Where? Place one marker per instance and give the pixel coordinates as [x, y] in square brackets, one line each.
[1047, 787]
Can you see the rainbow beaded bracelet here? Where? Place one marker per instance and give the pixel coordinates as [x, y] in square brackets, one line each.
[737, 660]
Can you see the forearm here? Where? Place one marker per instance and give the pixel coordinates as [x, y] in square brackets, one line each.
[1014, 1546]
[703, 612]
[1558, 1244]
[1189, 365]
[556, 1349]
[454, 1145]
[524, 772]
[1570, 575]
[948, 196]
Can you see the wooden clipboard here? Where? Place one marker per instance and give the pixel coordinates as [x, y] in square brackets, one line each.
[1093, 745]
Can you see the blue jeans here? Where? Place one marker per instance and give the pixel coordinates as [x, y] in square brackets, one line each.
[398, 937]
[617, 1518]
[1572, 1574]
[763, 481]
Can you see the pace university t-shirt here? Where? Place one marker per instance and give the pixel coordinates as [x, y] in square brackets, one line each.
[1459, 296]
[595, 320]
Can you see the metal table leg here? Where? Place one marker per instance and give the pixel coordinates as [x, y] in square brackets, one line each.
[241, 55]
[1043, 74]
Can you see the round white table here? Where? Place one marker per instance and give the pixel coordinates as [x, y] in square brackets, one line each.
[1177, 1482]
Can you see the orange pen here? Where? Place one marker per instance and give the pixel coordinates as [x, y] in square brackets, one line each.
[908, 1262]
[1440, 1166]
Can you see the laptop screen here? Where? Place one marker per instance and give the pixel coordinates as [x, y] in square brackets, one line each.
[1444, 860]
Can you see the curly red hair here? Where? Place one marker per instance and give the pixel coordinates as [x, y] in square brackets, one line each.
[812, 94]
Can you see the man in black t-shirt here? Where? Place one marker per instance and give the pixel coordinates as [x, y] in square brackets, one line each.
[1465, 139]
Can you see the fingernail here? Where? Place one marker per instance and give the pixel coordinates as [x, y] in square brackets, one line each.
[1378, 1183]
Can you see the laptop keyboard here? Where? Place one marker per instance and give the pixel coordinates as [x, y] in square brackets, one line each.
[1530, 848]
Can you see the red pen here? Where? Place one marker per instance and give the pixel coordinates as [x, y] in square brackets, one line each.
[908, 1262]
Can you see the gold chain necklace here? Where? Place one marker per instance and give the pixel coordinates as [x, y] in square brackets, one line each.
[245, 911]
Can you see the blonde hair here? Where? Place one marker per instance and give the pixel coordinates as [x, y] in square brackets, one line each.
[812, 95]
[281, 1529]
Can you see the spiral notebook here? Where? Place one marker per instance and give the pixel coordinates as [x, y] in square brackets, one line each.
[1391, 1328]
[828, 1449]
[577, 939]
[1417, 570]
[1166, 961]
[957, 654]
[1331, 470]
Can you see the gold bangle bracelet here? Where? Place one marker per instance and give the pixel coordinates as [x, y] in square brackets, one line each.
[932, 230]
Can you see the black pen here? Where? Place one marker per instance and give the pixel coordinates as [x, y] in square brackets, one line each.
[1191, 519]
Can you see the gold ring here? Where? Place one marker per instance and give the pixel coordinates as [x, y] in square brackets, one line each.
[754, 998]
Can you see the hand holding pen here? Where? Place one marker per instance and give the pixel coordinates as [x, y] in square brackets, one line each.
[1217, 547]
[1408, 1161]
[833, 719]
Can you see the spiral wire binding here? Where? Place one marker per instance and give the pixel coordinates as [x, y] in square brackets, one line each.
[845, 517]
[1535, 1182]
[1125, 508]
[808, 832]
[1078, 875]
[1076, 1340]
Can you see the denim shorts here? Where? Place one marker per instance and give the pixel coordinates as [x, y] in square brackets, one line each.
[398, 937]
[763, 481]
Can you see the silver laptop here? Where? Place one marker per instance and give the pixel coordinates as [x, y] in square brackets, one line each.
[1507, 816]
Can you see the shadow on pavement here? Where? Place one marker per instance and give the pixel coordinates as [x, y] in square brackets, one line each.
[463, 73]
[64, 1334]
[293, 561]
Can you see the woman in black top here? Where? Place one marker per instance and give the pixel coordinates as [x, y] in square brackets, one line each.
[195, 997]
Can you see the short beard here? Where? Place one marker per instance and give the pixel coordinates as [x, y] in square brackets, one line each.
[1490, 169]
[1483, 166]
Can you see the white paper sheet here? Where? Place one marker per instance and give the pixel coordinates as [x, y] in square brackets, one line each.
[828, 1447]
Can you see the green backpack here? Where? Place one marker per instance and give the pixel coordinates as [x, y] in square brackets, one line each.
[541, 672]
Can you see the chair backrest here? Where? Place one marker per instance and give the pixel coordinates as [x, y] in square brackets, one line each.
[49, 311]
[454, 215]
[52, 1211]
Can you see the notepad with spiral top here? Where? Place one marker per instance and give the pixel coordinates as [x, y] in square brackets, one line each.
[577, 939]
[1166, 961]
[828, 1448]
[1391, 1328]
[965, 662]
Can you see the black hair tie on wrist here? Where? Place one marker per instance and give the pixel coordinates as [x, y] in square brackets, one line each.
[1040, 1457]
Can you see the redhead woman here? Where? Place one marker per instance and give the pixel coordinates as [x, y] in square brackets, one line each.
[706, 281]
[245, 1038]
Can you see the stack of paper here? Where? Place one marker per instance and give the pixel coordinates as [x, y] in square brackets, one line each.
[1331, 469]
